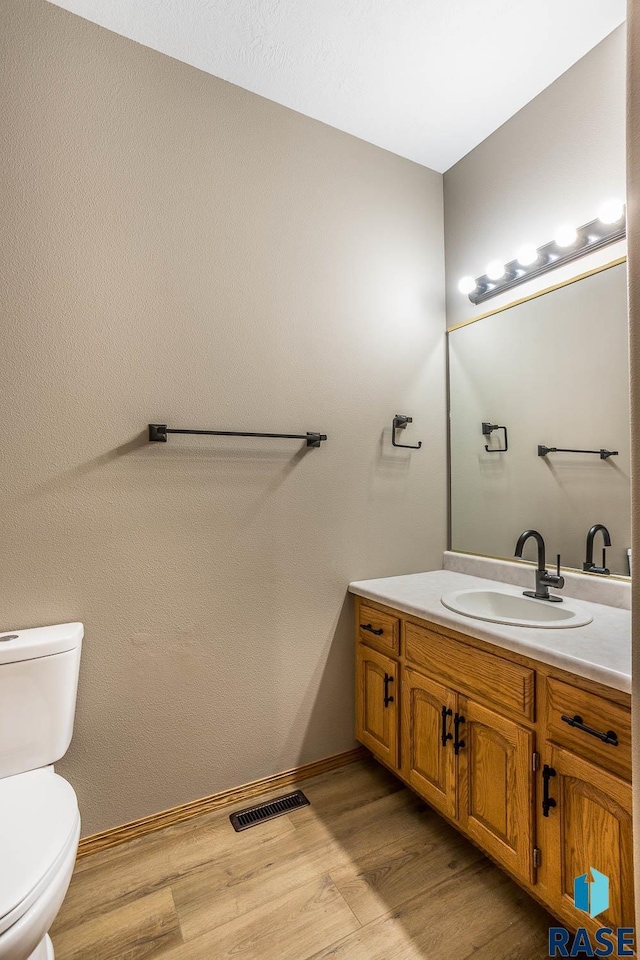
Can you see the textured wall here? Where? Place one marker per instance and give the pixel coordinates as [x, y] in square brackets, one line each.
[178, 250]
[553, 162]
[549, 369]
[633, 202]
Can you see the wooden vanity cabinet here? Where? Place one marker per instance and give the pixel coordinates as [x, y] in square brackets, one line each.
[590, 825]
[377, 703]
[475, 730]
[428, 759]
[591, 726]
[586, 774]
[496, 786]
[472, 765]
[378, 630]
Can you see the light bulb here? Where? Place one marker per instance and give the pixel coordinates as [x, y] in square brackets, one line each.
[467, 285]
[495, 270]
[566, 235]
[611, 210]
[527, 255]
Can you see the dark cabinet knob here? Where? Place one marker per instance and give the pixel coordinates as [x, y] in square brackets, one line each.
[547, 802]
[444, 736]
[610, 737]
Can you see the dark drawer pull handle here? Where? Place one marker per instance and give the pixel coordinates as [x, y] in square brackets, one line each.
[444, 736]
[610, 737]
[547, 801]
[458, 744]
[368, 626]
[387, 681]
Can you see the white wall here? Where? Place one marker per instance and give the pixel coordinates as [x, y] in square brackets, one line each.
[182, 251]
[555, 161]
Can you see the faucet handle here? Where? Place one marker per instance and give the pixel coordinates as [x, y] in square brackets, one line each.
[554, 579]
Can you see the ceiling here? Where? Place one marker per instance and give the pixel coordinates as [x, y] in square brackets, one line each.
[427, 79]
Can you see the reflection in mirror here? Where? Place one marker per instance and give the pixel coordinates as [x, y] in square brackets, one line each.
[550, 372]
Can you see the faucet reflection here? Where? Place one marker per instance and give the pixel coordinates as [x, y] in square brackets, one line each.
[588, 564]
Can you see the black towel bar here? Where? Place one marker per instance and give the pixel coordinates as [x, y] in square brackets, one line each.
[543, 450]
[158, 434]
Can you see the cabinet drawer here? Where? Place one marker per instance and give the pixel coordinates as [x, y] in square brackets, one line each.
[599, 716]
[470, 670]
[379, 629]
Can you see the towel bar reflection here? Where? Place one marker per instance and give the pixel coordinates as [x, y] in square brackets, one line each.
[543, 450]
[158, 434]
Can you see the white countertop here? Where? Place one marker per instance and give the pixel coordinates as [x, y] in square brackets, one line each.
[599, 651]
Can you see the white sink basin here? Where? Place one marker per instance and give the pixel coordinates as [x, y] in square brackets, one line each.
[515, 609]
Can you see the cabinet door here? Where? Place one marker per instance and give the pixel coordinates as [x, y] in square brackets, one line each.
[428, 761]
[588, 827]
[377, 703]
[495, 783]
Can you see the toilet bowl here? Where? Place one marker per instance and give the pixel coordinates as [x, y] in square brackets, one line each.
[39, 816]
[39, 833]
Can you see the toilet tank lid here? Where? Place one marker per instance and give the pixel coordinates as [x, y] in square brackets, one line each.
[38, 642]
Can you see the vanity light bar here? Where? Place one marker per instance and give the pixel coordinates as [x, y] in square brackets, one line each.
[568, 245]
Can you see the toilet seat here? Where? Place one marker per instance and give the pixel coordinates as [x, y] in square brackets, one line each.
[39, 821]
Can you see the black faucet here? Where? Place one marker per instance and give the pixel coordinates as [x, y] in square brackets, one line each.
[589, 565]
[544, 579]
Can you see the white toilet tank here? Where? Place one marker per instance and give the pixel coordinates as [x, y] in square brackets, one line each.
[38, 686]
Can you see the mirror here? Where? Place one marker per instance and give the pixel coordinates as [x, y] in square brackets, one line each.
[553, 371]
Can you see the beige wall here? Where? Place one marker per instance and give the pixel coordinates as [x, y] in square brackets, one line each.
[553, 162]
[633, 202]
[179, 250]
[554, 371]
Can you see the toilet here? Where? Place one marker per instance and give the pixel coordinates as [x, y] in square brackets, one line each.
[39, 816]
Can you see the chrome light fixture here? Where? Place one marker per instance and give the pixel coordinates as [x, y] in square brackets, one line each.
[570, 244]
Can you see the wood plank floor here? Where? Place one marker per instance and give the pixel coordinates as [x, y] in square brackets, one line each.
[367, 872]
